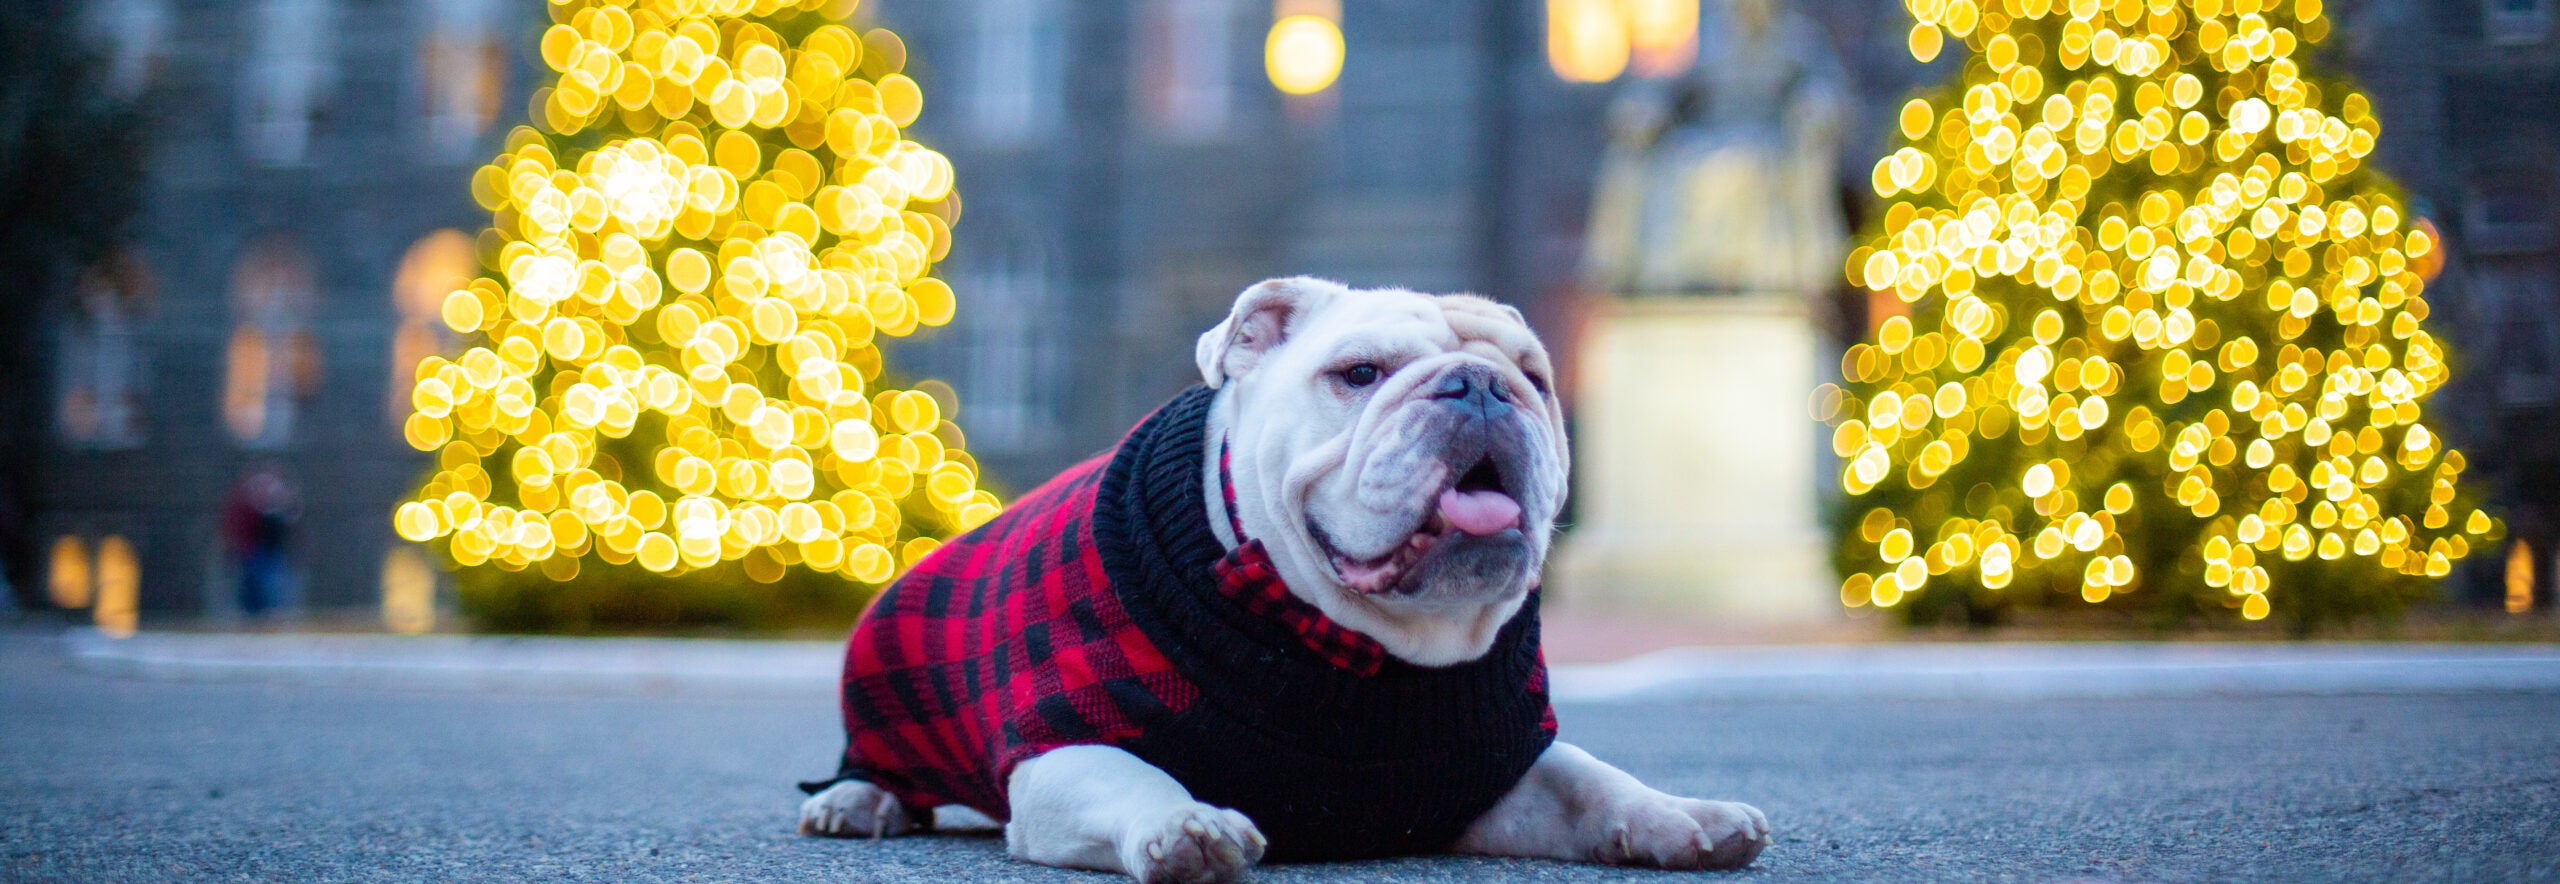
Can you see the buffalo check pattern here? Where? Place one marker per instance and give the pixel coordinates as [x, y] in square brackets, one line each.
[1003, 644]
[1009, 641]
[1247, 576]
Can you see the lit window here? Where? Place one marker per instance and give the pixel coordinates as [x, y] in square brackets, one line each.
[1011, 364]
[2516, 21]
[271, 362]
[1016, 70]
[408, 592]
[434, 267]
[285, 78]
[1186, 67]
[101, 357]
[2520, 577]
[462, 74]
[119, 599]
[67, 577]
[134, 35]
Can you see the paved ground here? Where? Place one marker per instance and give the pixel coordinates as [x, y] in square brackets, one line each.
[111, 776]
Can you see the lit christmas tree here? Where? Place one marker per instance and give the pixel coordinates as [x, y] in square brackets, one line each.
[2163, 330]
[675, 362]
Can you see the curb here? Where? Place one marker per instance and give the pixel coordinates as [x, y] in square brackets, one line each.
[2055, 670]
[447, 661]
[2023, 671]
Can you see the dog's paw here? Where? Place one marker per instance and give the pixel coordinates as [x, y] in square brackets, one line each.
[1668, 832]
[854, 809]
[1193, 844]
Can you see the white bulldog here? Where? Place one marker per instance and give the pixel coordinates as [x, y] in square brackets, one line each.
[1402, 458]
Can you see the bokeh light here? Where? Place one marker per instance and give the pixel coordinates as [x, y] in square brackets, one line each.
[2164, 327]
[1304, 53]
[1587, 40]
[1593, 41]
[676, 361]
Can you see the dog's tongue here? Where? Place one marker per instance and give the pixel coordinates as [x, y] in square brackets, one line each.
[1479, 512]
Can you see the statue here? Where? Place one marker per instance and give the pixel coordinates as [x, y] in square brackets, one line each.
[1716, 228]
[1721, 179]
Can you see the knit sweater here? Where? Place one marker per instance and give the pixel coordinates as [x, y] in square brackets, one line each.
[1101, 610]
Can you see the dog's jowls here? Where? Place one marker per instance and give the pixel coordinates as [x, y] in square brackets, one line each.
[1415, 507]
[1397, 460]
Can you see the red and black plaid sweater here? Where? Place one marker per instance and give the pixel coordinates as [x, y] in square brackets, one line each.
[1101, 610]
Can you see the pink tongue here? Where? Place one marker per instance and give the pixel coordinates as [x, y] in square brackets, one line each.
[1479, 512]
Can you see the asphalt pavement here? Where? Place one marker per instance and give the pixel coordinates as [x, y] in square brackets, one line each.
[146, 773]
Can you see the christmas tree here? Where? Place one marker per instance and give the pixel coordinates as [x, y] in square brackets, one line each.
[2154, 326]
[675, 362]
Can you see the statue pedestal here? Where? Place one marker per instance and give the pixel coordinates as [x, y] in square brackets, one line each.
[1695, 464]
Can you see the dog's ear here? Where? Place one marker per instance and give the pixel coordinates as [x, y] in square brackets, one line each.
[1258, 323]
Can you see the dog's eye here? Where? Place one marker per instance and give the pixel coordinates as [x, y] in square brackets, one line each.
[1360, 375]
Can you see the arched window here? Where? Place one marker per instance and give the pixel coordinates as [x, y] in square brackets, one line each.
[67, 576]
[271, 362]
[408, 591]
[102, 371]
[285, 76]
[118, 605]
[436, 265]
[462, 70]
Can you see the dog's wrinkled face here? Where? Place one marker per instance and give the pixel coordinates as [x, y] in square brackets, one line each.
[1402, 455]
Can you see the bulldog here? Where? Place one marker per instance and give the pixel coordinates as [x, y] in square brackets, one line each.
[1292, 615]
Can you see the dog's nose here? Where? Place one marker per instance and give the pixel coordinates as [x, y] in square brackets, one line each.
[1474, 388]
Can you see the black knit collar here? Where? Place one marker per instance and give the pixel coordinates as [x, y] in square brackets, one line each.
[1151, 530]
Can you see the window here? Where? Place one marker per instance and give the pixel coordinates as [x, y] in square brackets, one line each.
[118, 602]
[2521, 299]
[408, 591]
[102, 367]
[1010, 360]
[435, 266]
[67, 575]
[271, 363]
[110, 585]
[2516, 21]
[1015, 71]
[285, 78]
[134, 35]
[1184, 74]
[462, 74]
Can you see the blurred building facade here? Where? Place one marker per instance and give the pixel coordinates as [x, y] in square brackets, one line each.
[1126, 167]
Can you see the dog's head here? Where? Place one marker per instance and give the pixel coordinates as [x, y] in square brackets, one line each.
[1401, 455]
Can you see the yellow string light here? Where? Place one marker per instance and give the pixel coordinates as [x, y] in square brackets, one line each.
[675, 361]
[2164, 327]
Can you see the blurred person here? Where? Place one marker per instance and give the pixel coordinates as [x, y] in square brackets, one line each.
[257, 523]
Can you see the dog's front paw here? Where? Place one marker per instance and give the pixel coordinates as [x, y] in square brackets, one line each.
[855, 809]
[1193, 844]
[1668, 832]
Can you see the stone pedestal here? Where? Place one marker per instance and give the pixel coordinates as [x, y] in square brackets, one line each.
[1695, 464]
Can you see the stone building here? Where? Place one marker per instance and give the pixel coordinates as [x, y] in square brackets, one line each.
[1126, 167]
